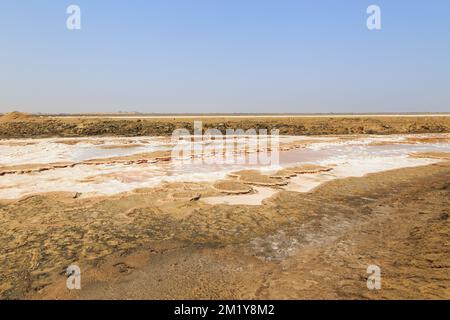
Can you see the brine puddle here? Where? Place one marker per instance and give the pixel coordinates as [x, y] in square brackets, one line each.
[348, 157]
[347, 160]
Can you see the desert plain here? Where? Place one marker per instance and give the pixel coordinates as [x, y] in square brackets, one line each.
[106, 194]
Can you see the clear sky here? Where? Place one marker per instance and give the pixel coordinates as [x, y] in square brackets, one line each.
[225, 56]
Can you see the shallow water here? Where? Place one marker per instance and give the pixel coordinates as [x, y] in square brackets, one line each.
[28, 151]
[353, 156]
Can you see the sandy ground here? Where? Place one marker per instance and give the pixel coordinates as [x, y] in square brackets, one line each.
[300, 232]
[161, 244]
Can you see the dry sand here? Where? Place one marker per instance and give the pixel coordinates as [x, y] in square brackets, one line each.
[165, 243]
[181, 240]
[295, 246]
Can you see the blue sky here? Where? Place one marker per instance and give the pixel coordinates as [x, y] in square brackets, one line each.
[225, 56]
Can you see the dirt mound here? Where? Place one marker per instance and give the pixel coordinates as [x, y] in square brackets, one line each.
[233, 187]
[15, 116]
[283, 174]
[45, 126]
[254, 177]
[309, 168]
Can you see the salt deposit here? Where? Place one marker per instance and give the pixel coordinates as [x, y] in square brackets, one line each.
[347, 156]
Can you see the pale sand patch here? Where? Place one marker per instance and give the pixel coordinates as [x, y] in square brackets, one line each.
[306, 183]
[16, 116]
[255, 199]
[231, 187]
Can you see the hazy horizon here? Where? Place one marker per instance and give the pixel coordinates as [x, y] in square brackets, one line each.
[225, 57]
[156, 114]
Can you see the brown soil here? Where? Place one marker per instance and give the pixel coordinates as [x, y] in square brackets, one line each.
[255, 177]
[283, 174]
[308, 168]
[432, 155]
[161, 243]
[15, 116]
[232, 187]
[31, 127]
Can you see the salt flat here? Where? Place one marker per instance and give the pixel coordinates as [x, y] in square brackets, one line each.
[76, 172]
[124, 208]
